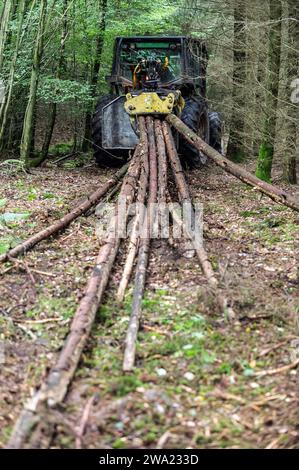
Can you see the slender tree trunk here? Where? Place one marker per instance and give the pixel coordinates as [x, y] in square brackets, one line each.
[95, 71]
[49, 131]
[6, 14]
[254, 38]
[266, 151]
[17, 101]
[59, 70]
[35, 73]
[6, 102]
[75, 77]
[282, 149]
[236, 145]
[292, 131]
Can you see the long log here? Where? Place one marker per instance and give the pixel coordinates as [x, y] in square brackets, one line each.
[184, 194]
[139, 217]
[108, 197]
[163, 223]
[130, 343]
[276, 194]
[162, 161]
[200, 251]
[178, 173]
[54, 389]
[206, 267]
[176, 165]
[65, 221]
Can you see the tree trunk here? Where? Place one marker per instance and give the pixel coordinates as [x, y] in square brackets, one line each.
[59, 69]
[292, 131]
[35, 73]
[7, 100]
[6, 14]
[282, 146]
[236, 145]
[49, 131]
[266, 151]
[95, 71]
[254, 57]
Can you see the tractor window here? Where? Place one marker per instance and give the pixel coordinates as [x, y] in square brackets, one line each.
[196, 60]
[194, 67]
[138, 57]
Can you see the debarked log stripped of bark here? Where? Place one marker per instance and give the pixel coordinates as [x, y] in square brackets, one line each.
[65, 221]
[277, 194]
[143, 256]
[54, 389]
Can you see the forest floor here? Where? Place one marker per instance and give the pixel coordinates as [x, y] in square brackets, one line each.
[197, 382]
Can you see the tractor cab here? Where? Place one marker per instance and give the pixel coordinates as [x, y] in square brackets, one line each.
[151, 63]
[151, 75]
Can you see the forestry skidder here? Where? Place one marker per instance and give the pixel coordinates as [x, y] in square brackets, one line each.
[154, 76]
[153, 92]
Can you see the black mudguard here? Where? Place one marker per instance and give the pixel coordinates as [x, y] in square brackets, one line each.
[117, 130]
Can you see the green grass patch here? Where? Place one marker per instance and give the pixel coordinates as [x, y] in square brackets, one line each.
[53, 306]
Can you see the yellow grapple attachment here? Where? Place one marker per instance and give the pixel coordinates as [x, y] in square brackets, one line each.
[152, 103]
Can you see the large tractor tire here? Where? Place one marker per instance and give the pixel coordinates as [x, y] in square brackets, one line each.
[105, 158]
[195, 116]
[216, 131]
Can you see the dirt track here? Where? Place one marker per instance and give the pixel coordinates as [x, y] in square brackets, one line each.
[195, 384]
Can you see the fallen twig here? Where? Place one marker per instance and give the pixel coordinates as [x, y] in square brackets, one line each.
[266, 351]
[37, 322]
[279, 370]
[84, 421]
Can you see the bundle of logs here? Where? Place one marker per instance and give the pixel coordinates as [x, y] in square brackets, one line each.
[145, 180]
